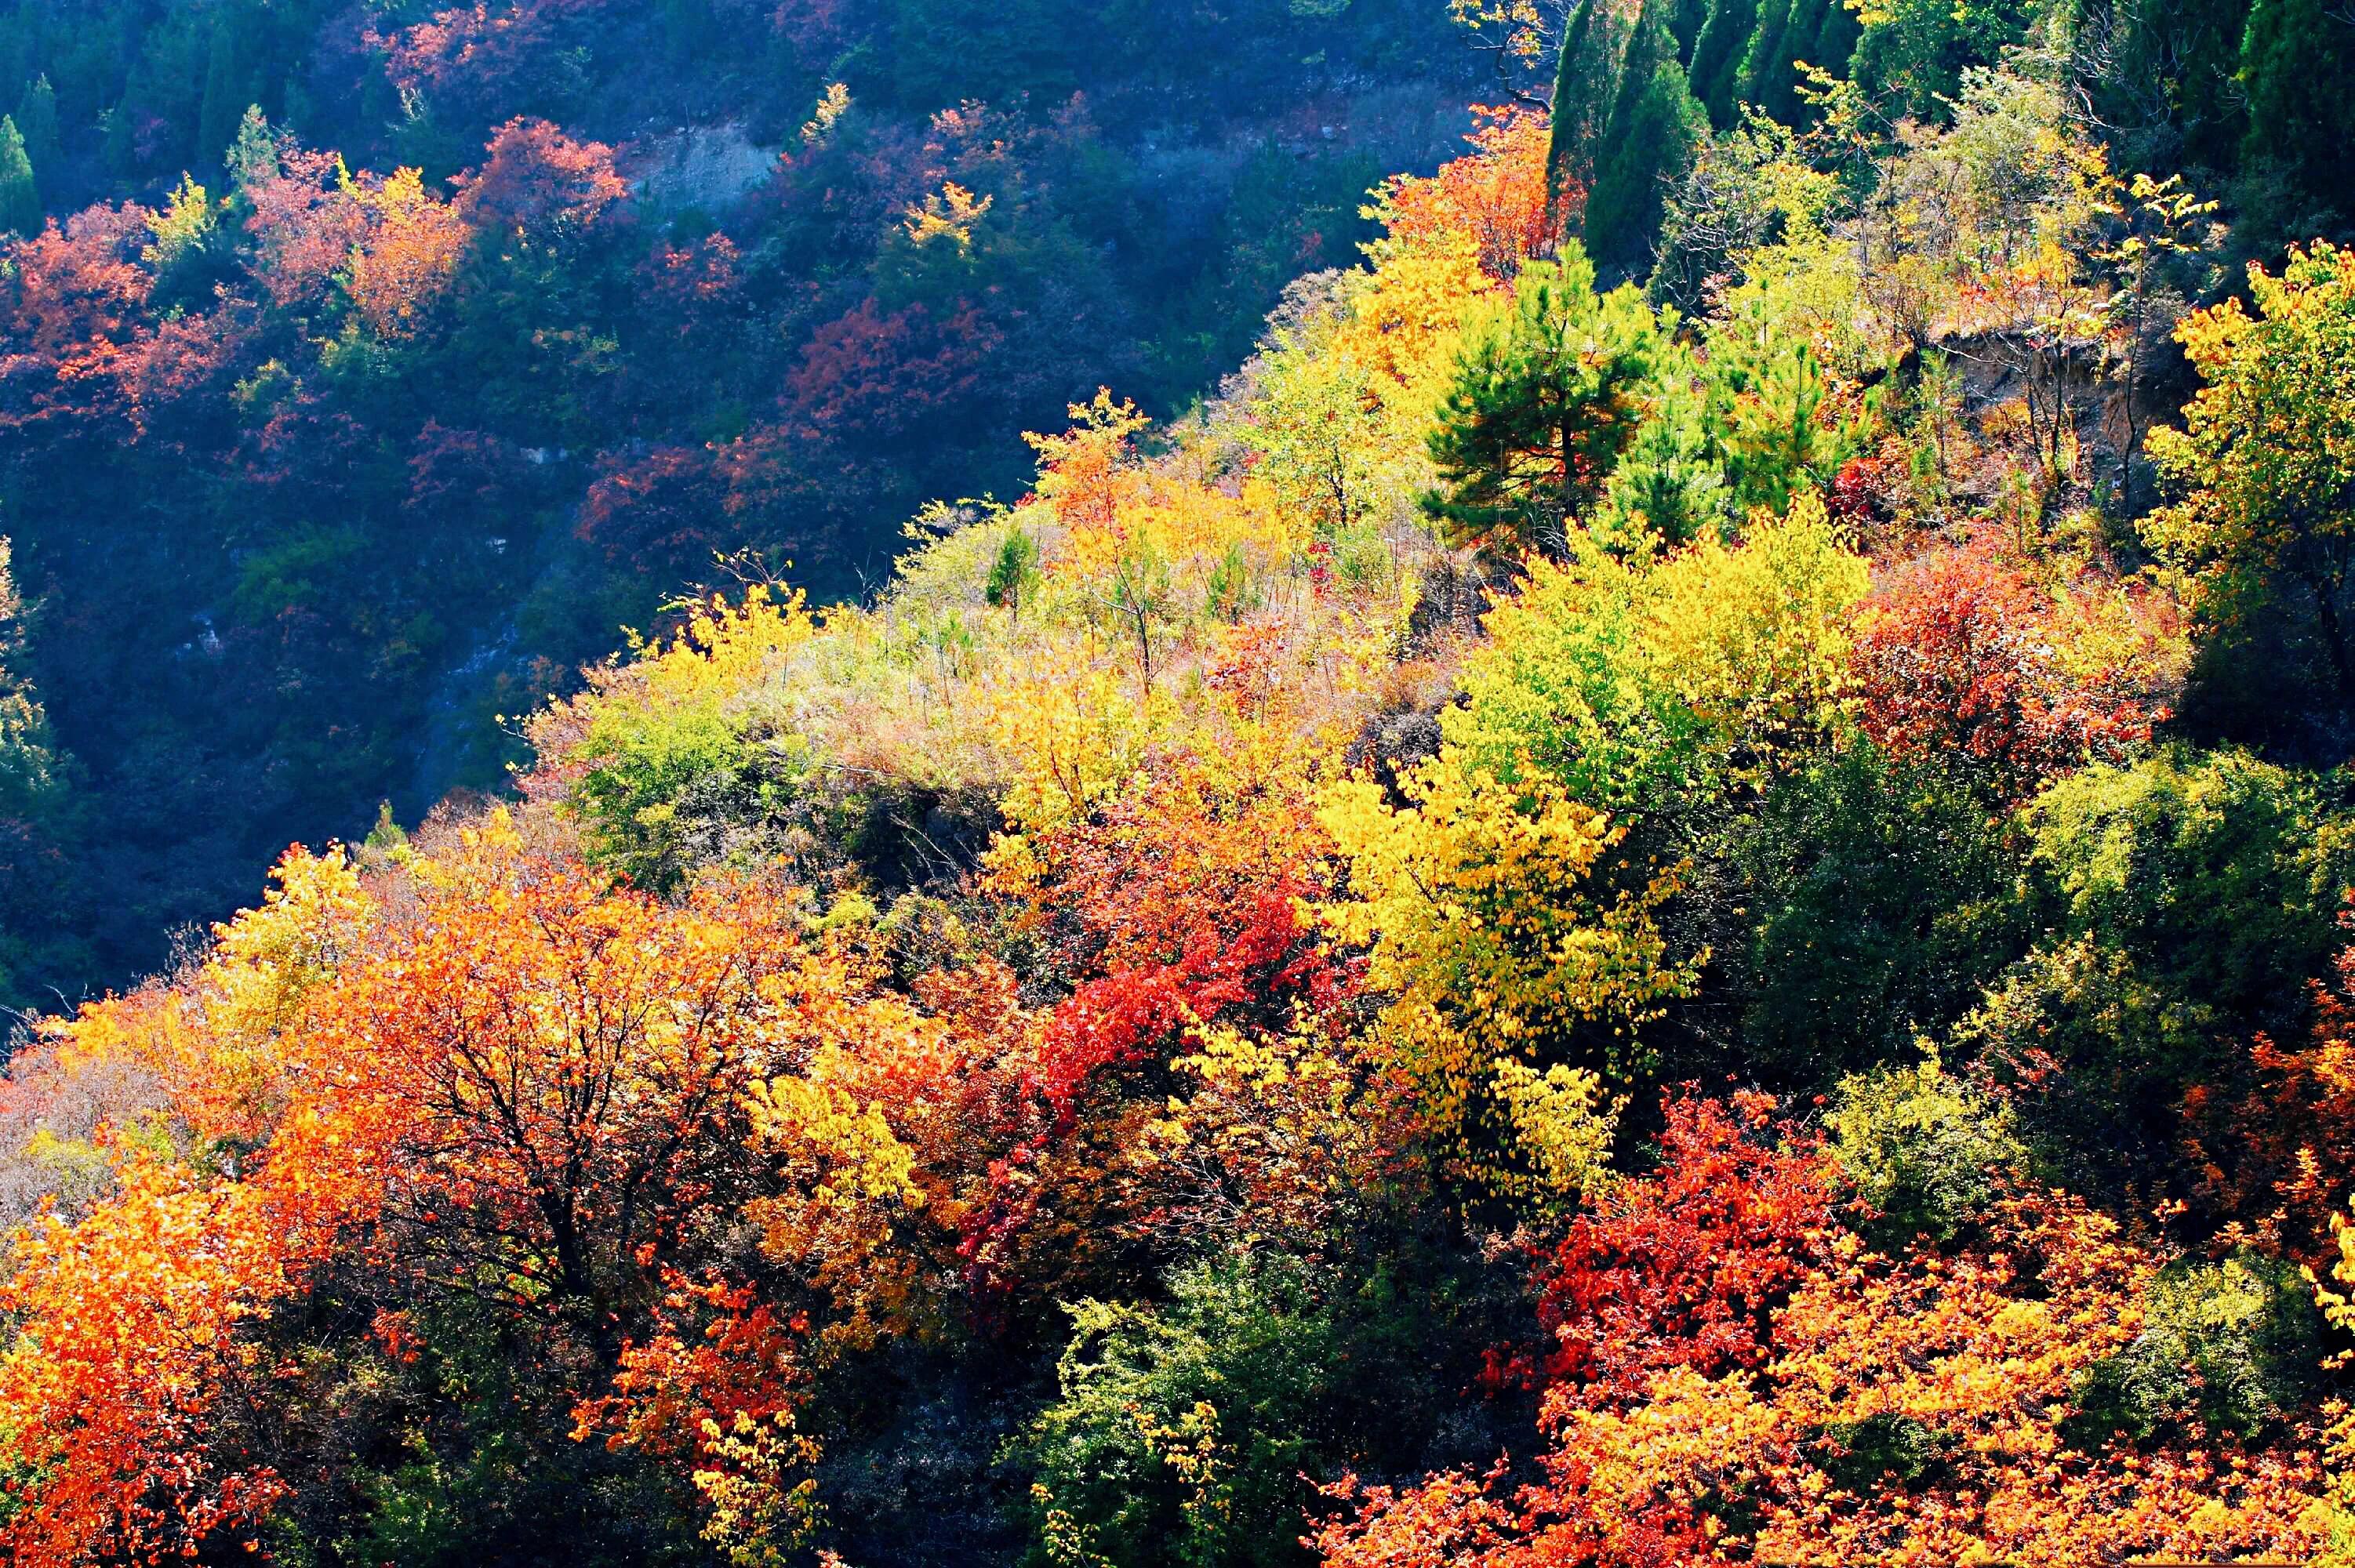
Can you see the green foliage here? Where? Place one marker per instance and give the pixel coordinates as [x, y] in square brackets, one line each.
[1182, 1431]
[20, 196]
[1014, 575]
[2300, 84]
[1917, 51]
[2220, 875]
[1549, 392]
[1657, 127]
[2265, 465]
[1585, 86]
[1715, 65]
[1928, 1151]
[1879, 899]
[2233, 1344]
[37, 120]
[2192, 897]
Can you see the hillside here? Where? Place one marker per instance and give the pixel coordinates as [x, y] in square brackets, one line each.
[315, 468]
[1673, 888]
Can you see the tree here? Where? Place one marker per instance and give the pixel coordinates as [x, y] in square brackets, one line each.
[1753, 1382]
[2266, 460]
[1970, 666]
[37, 118]
[1716, 61]
[225, 99]
[1582, 98]
[1657, 128]
[1549, 392]
[2301, 94]
[20, 198]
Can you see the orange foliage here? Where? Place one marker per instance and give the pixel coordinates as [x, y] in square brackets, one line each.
[1967, 659]
[1496, 196]
[2276, 1163]
[1904, 1410]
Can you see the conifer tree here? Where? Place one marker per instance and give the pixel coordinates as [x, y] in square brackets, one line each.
[2299, 74]
[1836, 37]
[1716, 65]
[20, 197]
[217, 120]
[37, 122]
[1549, 393]
[1657, 128]
[253, 156]
[1768, 46]
[1583, 87]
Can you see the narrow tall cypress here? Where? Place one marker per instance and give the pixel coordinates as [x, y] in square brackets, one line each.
[20, 196]
[37, 122]
[1582, 98]
[1754, 80]
[1716, 57]
[2295, 67]
[1656, 126]
[223, 100]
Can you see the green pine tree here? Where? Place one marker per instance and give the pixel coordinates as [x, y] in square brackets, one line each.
[37, 122]
[1716, 67]
[1549, 392]
[1656, 129]
[20, 195]
[253, 156]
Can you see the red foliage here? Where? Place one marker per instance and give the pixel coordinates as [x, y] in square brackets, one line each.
[536, 179]
[1496, 195]
[876, 378]
[1684, 1267]
[665, 512]
[72, 326]
[472, 57]
[1963, 663]
[2277, 1161]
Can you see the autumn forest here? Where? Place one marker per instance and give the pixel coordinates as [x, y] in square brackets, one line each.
[1217, 784]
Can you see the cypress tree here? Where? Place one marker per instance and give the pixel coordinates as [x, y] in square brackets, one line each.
[1771, 77]
[216, 119]
[1582, 98]
[37, 122]
[20, 198]
[1657, 127]
[1685, 23]
[1716, 57]
[1754, 80]
[2300, 82]
[1835, 41]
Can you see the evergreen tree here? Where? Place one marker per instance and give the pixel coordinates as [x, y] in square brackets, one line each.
[2299, 74]
[1657, 128]
[1549, 393]
[37, 122]
[253, 156]
[20, 197]
[1835, 39]
[1768, 49]
[1685, 22]
[217, 120]
[1716, 65]
[1582, 98]
[1802, 30]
